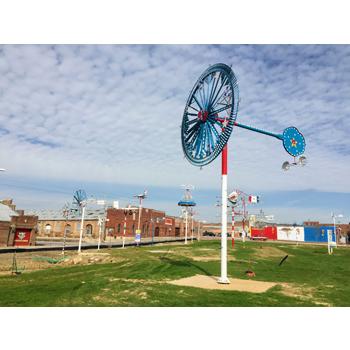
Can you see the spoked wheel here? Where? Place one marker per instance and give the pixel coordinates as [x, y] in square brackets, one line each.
[209, 115]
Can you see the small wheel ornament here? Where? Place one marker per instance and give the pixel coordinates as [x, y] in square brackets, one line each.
[293, 141]
[209, 115]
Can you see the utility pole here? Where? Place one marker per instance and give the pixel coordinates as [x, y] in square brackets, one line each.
[100, 224]
[81, 227]
[66, 211]
[141, 197]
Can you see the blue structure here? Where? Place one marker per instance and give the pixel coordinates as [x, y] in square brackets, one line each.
[318, 234]
[186, 203]
[210, 115]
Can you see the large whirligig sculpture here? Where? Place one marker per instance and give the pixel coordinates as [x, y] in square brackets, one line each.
[208, 120]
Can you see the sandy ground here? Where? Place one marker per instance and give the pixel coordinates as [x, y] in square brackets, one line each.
[210, 282]
[41, 260]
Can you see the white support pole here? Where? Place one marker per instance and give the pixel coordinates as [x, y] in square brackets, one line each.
[334, 229]
[223, 278]
[99, 233]
[192, 228]
[186, 225]
[124, 230]
[81, 229]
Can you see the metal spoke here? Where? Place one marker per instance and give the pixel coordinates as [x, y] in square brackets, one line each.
[200, 107]
[192, 131]
[214, 89]
[216, 99]
[220, 110]
[198, 142]
[222, 85]
[211, 136]
[193, 108]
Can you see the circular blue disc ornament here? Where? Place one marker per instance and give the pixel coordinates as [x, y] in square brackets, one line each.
[293, 141]
[209, 115]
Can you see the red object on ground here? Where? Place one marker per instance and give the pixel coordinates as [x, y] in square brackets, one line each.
[22, 237]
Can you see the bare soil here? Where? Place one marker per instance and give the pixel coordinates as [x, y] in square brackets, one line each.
[210, 282]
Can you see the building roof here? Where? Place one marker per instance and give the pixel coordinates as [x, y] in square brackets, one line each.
[47, 214]
[6, 213]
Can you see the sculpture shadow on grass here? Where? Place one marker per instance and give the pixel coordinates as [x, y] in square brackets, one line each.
[186, 264]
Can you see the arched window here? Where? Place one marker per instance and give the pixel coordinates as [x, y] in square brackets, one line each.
[89, 230]
[47, 228]
[156, 232]
[68, 230]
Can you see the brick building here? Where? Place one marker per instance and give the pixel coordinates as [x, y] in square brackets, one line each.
[52, 223]
[16, 229]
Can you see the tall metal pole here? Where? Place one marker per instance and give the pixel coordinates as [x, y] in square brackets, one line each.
[223, 278]
[198, 237]
[186, 225]
[65, 213]
[100, 222]
[153, 229]
[139, 220]
[335, 229]
[233, 227]
[192, 227]
[124, 228]
[81, 228]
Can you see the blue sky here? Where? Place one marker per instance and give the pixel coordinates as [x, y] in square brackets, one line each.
[107, 119]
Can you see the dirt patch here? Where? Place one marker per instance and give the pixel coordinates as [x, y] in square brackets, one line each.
[269, 252]
[210, 282]
[302, 292]
[33, 261]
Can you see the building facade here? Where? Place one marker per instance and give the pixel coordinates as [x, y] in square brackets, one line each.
[153, 222]
[16, 228]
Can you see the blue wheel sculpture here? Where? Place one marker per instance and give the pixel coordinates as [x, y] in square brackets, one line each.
[293, 141]
[210, 113]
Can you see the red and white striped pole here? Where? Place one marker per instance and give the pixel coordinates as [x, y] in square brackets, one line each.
[223, 278]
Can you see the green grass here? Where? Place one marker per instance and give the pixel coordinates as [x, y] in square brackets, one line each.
[139, 278]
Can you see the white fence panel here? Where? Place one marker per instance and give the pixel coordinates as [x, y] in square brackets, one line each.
[290, 233]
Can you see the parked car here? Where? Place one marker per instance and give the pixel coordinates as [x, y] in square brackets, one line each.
[208, 234]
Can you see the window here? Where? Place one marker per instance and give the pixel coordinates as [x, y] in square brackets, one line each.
[89, 230]
[133, 229]
[118, 228]
[47, 228]
[68, 230]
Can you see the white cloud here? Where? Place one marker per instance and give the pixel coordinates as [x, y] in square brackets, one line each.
[112, 113]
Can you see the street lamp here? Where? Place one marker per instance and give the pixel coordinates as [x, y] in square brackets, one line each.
[1, 169]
